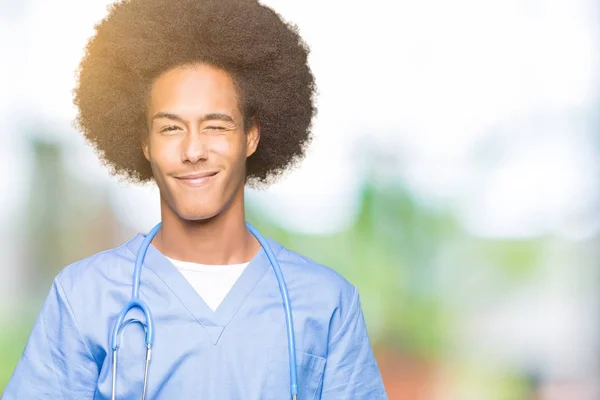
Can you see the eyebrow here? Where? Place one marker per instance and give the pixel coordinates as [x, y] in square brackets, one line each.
[207, 117]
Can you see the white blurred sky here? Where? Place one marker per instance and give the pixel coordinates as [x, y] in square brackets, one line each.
[431, 81]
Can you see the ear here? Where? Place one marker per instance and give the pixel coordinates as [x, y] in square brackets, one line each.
[252, 139]
[146, 147]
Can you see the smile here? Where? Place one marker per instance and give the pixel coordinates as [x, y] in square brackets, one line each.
[197, 179]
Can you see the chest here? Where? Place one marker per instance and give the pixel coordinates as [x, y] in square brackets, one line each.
[238, 351]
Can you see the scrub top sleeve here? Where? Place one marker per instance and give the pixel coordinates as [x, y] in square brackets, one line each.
[56, 362]
[351, 371]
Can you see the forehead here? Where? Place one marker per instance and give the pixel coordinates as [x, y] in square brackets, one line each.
[192, 90]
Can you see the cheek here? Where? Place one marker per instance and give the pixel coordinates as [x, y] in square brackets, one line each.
[230, 149]
[164, 153]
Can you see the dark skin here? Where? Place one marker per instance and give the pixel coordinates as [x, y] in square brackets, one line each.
[197, 146]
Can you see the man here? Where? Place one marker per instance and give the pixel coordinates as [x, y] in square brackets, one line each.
[202, 97]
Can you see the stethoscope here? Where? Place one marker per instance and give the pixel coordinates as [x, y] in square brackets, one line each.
[136, 302]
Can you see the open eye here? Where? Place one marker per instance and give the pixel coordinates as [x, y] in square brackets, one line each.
[169, 128]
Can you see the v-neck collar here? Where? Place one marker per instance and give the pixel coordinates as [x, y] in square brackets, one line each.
[214, 322]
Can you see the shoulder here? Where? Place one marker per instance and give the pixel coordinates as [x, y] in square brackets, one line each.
[96, 268]
[315, 278]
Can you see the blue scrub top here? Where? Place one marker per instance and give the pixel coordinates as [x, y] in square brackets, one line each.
[238, 351]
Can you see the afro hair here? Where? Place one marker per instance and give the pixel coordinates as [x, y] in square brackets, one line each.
[140, 39]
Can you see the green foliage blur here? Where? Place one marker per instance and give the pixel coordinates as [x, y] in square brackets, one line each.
[413, 264]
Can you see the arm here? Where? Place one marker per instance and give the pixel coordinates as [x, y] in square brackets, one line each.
[56, 363]
[351, 371]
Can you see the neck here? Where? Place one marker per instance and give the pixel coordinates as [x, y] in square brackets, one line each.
[220, 240]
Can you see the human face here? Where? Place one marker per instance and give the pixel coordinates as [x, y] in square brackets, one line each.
[196, 142]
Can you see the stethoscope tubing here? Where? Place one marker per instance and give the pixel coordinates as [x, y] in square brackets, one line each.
[136, 302]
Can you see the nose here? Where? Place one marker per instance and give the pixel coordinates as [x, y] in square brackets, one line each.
[195, 147]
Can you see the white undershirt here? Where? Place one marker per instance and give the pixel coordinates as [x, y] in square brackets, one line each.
[211, 282]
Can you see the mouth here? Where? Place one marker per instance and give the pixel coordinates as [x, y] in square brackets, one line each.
[197, 179]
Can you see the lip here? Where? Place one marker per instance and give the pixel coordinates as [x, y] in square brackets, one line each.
[197, 179]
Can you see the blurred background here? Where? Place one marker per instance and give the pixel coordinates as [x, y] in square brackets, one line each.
[454, 179]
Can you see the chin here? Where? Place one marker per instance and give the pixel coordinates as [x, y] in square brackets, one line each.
[195, 207]
[196, 213]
